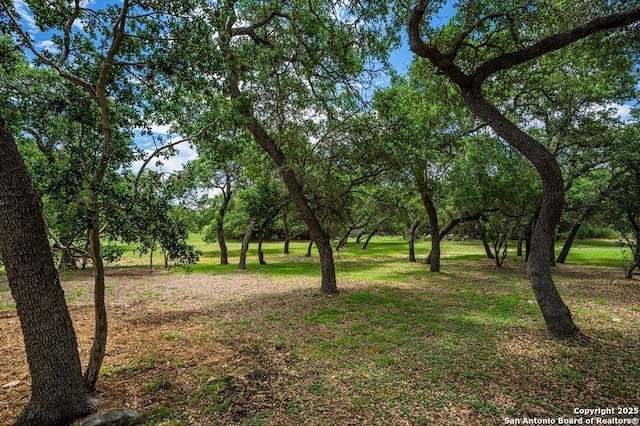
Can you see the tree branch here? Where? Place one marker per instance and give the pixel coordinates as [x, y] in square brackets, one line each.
[555, 42]
[158, 151]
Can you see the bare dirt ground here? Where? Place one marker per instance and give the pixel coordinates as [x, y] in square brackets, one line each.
[148, 315]
[185, 350]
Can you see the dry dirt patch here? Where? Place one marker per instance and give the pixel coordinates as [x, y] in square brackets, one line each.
[151, 317]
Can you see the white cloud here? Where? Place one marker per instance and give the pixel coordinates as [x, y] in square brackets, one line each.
[25, 13]
[622, 111]
[48, 45]
[161, 129]
[184, 153]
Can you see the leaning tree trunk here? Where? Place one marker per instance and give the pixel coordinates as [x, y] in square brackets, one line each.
[485, 242]
[58, 395]
[329, 283]
[245, 243]
[564, 253]
[412, 239]
[556, 314]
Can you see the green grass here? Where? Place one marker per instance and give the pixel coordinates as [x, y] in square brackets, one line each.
[352, 261]
[379, 261]
[398, 345]
[454, 344]
[595, 253]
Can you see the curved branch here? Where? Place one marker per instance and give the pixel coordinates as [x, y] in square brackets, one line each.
[458, 41]
[555, 42]
[67, 33]
[422, 49]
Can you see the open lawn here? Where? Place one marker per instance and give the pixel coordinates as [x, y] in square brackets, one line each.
[398, 346]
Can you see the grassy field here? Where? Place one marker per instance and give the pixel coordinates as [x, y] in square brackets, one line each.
[603, 253]
[398, 346]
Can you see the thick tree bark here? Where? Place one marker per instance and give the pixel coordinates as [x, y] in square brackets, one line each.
[245, 243]
[412, 239]
[556, 314]
[434, 256]
[58, 395]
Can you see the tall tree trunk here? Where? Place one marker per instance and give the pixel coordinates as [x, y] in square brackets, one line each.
[260, 252]
[329, 283]
[58, 395]
[556, 314]
[412, 239]
[434, 256]
[245, 243]
[99, 346]
[227, 193]
[224, 252]
[309, 249]
[519, 246]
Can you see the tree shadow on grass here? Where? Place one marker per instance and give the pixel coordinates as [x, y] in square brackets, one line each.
[395, 347]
